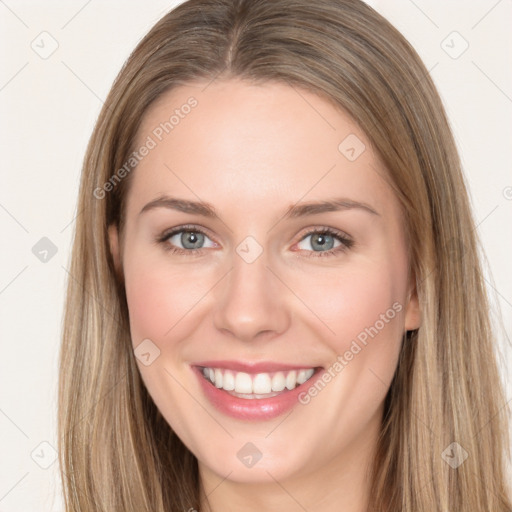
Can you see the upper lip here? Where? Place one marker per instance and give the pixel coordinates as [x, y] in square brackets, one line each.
[253, 367]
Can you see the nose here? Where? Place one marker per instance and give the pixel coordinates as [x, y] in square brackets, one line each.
[251, 301]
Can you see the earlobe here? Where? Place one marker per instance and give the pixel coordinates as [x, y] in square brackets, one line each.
[113, 238]
[412, 311]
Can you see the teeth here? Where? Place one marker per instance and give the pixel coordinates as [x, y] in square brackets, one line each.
[228, 381]
[218, 378]
[291, 379]
[259, 384]
[278, 382]
[302, 377]
[243, 383]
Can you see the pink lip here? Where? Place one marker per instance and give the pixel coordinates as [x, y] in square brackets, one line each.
[261, 367]
[257, 409]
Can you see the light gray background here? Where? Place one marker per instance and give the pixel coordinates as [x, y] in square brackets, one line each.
[47, 109]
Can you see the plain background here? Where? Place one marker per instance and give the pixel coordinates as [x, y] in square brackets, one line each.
[48, 106]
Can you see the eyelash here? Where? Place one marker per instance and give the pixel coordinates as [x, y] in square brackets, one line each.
[346, 243]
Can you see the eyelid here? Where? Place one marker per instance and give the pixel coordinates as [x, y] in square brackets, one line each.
[324, 229]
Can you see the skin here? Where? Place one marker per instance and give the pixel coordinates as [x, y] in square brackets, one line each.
[252, 151]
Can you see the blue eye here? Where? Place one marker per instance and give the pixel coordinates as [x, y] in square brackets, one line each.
[325, 238]
[190, 240]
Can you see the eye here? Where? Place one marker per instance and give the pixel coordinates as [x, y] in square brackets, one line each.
[190, 240]
[323, 242]
[185, 239]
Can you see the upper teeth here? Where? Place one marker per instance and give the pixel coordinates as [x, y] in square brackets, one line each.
[260, 383]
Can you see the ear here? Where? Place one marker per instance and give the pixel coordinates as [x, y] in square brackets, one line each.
[412, 308]
[113, 237]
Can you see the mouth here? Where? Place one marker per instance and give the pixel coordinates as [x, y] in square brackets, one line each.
[253, 394]
[256, 385]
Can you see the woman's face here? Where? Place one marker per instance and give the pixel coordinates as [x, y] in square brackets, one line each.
[258, 286]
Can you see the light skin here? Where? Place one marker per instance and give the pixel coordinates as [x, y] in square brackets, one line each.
[253, 151]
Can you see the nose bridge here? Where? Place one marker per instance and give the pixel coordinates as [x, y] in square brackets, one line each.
[251, 300]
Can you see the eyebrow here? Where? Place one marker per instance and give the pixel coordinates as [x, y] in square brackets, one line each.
[294, 211]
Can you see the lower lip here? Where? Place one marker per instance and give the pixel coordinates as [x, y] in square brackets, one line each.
[255, 409]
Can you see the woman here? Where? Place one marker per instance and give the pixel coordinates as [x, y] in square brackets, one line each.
[214, 355]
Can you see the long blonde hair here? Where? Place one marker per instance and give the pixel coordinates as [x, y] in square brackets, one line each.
[116, 450]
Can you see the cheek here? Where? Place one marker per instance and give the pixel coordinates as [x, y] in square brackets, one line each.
[158, 297]
[161, 301]
[356, 299]
[365, 309]
[362, 312]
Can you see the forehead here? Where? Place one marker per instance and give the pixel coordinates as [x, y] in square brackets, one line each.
[261, 146]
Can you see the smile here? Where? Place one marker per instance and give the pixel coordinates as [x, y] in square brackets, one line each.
[254, 394]
[260, 385]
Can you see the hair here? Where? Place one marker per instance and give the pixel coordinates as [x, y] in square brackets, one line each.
[116, 450]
